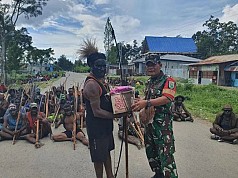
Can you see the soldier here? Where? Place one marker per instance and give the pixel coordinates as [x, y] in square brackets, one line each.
[225, 126]
[179, 110]
[159, 139]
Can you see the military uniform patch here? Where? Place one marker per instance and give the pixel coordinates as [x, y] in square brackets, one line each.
[171, 84]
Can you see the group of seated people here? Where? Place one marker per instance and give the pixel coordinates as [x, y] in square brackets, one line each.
[19, 117]
[22, 125]
[225, 126]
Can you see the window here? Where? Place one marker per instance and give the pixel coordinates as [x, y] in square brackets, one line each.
[207, 74]
[192, 74]
[236, 75]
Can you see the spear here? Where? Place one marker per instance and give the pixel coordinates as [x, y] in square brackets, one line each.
[125, 131]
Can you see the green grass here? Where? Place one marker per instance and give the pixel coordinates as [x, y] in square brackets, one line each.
[203, 101]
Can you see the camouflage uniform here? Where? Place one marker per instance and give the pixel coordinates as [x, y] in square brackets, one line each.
[159, 139]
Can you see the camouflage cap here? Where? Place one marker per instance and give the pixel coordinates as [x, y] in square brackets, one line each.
[152, 59]
[227, 107]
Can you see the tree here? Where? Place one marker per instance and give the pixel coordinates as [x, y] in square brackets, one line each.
[18, 45]
[112, 55]
[219, 38]
[9, 14]
[133, 52]
[65, 63]
[39, 56]
[108, 37]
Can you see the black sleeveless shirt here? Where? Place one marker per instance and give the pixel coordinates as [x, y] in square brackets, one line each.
[99, 127]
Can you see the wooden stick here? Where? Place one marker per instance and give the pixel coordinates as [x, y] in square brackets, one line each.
[55, 116]
[138, 127]
[137, 132]
[75, 116]
[47, 104]
[81, 109]
[37, 131]
[18, 118]
[38, 125]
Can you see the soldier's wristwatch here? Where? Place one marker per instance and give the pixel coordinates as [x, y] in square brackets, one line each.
[148, 104]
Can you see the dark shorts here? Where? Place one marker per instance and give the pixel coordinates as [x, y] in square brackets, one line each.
[69, 133]
[100, 148]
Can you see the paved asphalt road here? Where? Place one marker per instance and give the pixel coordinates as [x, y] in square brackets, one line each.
[196, 155]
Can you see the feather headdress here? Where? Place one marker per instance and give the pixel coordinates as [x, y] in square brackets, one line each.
[90, 51]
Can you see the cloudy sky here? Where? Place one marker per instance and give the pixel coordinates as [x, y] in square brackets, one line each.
[65, 23]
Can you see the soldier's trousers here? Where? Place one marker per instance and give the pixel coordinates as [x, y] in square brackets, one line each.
[159, 150]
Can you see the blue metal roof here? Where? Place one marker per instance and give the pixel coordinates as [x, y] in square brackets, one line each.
[170, 45]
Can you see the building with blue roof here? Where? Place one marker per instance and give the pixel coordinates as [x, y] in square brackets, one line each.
[168, 45]
[175, 53]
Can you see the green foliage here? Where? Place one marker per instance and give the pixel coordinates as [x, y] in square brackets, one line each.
[65, 63]
[82, 69]
[206, 101]
[203, 101]
[219, 38]
[112, 55]
[108, 37]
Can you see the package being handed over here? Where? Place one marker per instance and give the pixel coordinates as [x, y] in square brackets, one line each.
[121, 98]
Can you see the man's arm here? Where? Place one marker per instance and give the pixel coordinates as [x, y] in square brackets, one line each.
[234, 130]
[185, 110]
[216, 123]
[168, 93]
[4, 128]
[92, 93]
[57, 124]
[24, 125]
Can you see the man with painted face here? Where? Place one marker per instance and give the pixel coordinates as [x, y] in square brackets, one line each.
[179, 110]
[159, 138]
[225, 126]
[44, 130]
[99, 113]
[10, 125]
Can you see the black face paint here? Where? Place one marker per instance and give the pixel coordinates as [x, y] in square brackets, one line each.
[34, 111]
[99, 68]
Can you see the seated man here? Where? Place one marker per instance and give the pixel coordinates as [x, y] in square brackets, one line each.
[68, 122]
[44, 127]
[135, 136]
[12, 127]
[179, 111]
[3, 107]
[225, 126]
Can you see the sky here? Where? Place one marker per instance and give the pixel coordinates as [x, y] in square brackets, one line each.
[64, 24]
